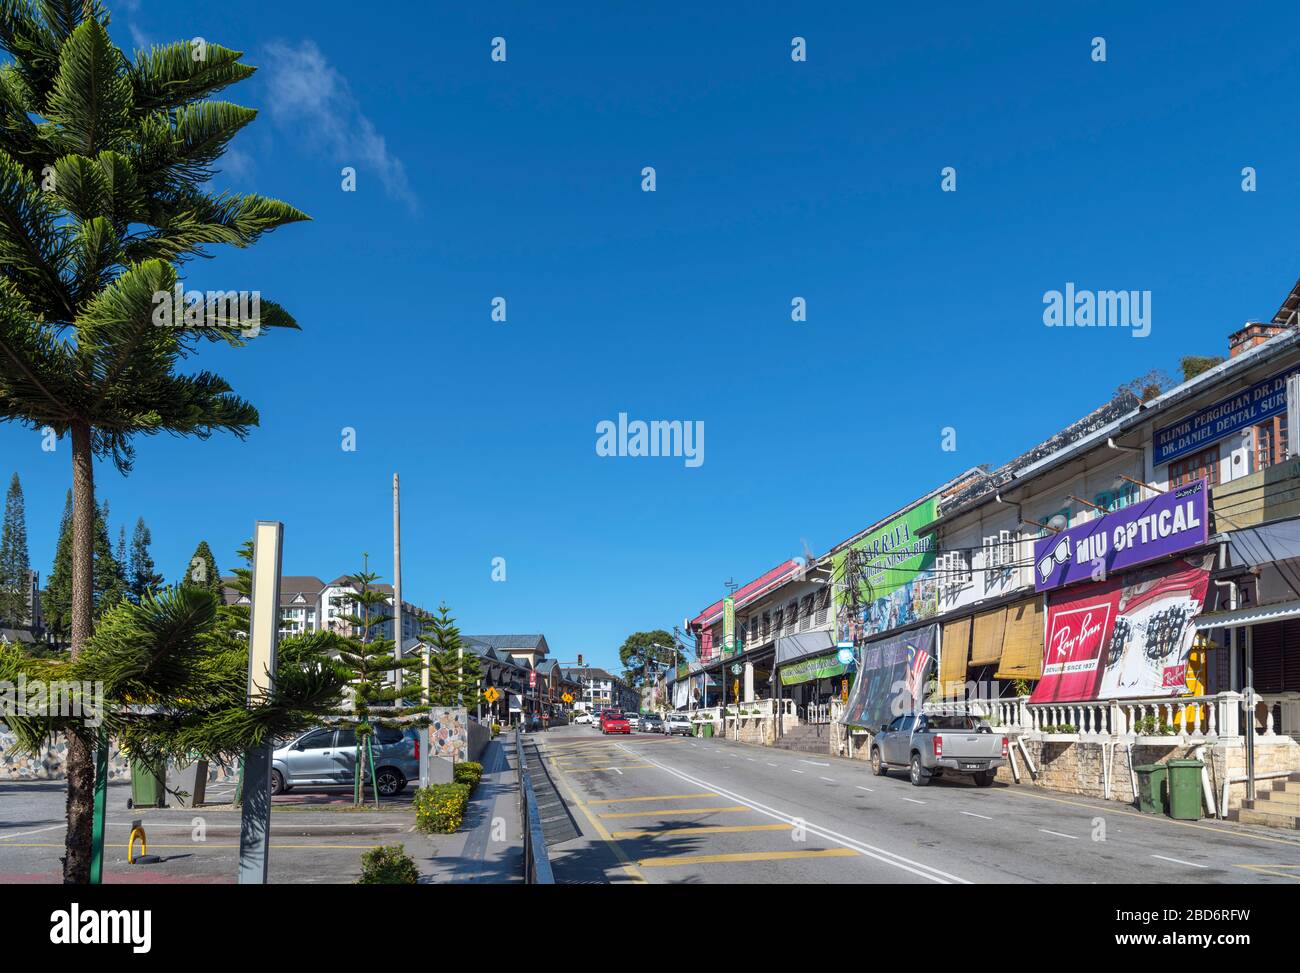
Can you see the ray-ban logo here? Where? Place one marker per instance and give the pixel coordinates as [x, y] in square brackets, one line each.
[658, 437]
[237, 310]
[1098, 309]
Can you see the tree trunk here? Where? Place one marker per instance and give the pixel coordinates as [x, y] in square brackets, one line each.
[81, 765]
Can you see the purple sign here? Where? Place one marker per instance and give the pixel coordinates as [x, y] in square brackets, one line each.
[1155, 528]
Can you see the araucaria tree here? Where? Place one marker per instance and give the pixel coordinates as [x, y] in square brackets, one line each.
[141, 576]
[369, 657]
[105, 162]
[201, 572]
[14, 564]
[454, 674]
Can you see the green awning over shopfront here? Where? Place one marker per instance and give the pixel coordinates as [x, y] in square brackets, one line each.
[817, 667]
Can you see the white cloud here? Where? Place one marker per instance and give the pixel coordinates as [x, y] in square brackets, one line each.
[307, 95]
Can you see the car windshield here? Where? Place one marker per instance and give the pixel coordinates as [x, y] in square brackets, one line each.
[950, 723]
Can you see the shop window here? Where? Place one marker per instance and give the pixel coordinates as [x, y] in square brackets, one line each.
[1203, 464]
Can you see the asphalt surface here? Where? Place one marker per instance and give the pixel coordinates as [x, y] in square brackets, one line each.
[675, 810]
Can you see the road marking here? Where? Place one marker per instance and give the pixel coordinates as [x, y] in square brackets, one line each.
[771, 764]
[815, 763]
[712, 829]
[913, 800]
[831, 779]
[597, 770]
[860, 847]
[861, 788]
[793, 771]
[658, 797]
[1059, 835]
[24, 834]
[1179, 861]
[605, 836]
[972, 814]
[751, 760]
[1264, 870]
[745, 856]
[688, 810]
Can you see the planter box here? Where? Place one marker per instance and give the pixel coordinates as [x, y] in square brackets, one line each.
[1173, 740]
[1060, 738]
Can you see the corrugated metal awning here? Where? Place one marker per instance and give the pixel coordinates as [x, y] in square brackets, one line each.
[1249, 616]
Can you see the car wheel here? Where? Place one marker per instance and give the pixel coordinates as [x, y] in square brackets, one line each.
[390, 781]
[920, 776]
[985, 778]
[878, 766]
[277, 783]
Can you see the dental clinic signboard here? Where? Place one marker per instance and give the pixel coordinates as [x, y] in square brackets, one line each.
[1164, 525]
[1246, 408]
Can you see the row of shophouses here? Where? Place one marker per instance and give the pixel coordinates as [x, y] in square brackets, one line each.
[1126, 592]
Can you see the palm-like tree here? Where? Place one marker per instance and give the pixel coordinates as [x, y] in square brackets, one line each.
[103, 166]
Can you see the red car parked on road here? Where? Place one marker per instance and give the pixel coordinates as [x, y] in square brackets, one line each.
[612, 721]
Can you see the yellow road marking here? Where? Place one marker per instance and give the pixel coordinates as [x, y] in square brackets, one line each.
[689, 810]
[1270, 871]
[745, 856]
[605, 836]
[718, 829]
[657, 797]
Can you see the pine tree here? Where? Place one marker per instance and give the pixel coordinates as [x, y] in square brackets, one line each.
[201, 572]
[109, 578]
[14, 564]
[142, 576]
[454, 674]
[105, 169]
[56, 599]
[370, 660]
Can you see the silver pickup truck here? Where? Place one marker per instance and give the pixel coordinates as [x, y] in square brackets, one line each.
[930, 746]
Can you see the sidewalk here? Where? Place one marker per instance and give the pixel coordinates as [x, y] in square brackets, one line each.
[489, 846]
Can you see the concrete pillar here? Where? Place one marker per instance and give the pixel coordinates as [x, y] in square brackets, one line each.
[749, 682]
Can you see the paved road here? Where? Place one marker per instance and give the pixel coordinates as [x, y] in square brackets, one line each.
[671, 810]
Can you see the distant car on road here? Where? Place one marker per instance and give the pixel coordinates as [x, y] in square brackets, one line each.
[677, 723]
[612, 721]
[328, 756]
[582, 719]
[652, 723]
[933, 745]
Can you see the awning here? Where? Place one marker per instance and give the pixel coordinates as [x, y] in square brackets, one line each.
[792, 648]
[815, 667]
[1248, 616]
[954, 652]
[986, 645]
[1022, 643]
[1265, 544]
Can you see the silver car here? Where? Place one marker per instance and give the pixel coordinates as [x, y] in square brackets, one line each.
[328, 757]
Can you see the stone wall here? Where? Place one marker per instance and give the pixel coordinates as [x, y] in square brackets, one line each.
[449, 733]
[751, 730]
[49, 763]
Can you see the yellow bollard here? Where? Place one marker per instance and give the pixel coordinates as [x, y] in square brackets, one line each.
[137, 830]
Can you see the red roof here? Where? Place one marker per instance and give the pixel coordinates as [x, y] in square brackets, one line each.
[749, 592]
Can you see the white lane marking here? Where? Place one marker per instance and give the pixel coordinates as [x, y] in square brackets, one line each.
[861, 847]
[972, 814]
[815, 763]
[1179, 861]
[913, 800]
[770, 764]
[1059, 835]
[831, 779]
[867, 789]
[24, 834]
[793, 771]
[751, 760]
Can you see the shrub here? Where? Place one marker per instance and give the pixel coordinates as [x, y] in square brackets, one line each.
[388, 865]
[496, 728]
[467, 772]
[440, 808]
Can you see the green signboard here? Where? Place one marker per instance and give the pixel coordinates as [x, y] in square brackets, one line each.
[728, 625]
[818, 667]
[895, 558]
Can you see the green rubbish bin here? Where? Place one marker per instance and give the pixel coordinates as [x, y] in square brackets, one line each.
[704, 729]
[1185, 789]
[1152, 784]
[147, 785]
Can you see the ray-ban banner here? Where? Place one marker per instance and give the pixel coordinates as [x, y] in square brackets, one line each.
[891, 679]
[1166, 524]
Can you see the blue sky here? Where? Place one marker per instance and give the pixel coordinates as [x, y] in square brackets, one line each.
[775, 179]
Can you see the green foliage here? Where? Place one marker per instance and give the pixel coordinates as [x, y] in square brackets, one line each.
[467, 772]
[14, 563]
[1193, 365]
[440, 808]
[201, 571]
[388, 865]
[110, 575]
[454, 673]
[142, 577]
[56, 599]
[640, 648]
